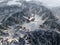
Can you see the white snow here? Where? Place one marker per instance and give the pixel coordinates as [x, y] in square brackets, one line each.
[34, 24]
[13, 2]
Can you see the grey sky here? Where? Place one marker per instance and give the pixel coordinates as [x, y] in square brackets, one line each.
[51, 3]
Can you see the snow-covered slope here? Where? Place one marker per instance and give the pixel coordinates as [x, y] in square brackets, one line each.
[19, 21]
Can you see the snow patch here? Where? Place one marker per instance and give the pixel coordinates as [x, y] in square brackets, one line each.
[34, 24]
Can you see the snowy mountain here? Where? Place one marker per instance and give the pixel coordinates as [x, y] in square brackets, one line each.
[29, 20]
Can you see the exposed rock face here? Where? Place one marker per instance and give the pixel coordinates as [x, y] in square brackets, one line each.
[28, 13]
[40, 37]
[43, 37]
[28, 24]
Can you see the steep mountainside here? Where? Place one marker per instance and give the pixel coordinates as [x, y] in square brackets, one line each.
[28, 24]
